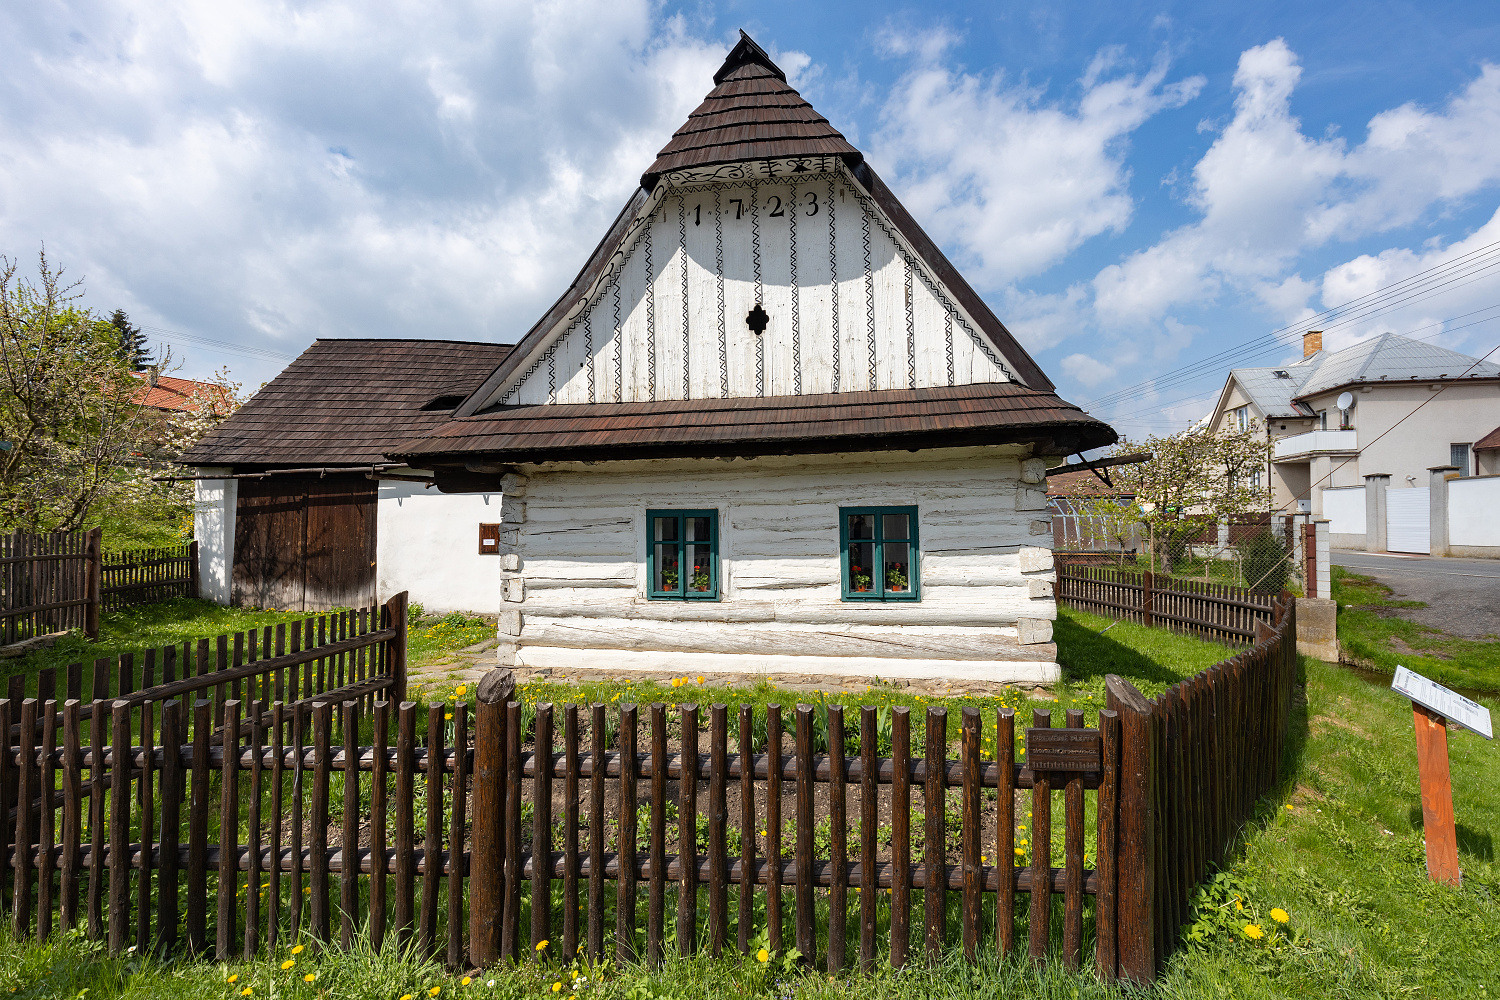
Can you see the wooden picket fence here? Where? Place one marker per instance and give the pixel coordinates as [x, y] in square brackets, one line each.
[146, 576]
[60, 581]
[1212, 610]
[306, 807]
[48, 583]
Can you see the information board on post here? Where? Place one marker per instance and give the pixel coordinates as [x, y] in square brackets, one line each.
[1449, 704]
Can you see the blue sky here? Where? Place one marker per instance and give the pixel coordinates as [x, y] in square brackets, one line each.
[1132, 187]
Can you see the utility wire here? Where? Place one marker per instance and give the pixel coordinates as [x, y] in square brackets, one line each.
[168, 336]
[1476, 264]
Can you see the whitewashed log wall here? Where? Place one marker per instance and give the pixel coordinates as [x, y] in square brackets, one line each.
[575, 555]
[851, 307]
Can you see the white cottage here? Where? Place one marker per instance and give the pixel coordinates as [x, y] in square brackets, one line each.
[769, 429]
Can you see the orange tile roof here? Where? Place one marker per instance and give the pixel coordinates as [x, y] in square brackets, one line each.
[174, 395]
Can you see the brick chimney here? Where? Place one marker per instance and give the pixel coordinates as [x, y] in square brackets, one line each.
[1312, 343]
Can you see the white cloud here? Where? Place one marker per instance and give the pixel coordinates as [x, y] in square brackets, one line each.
[259, 173]
[1011, 180]
[1086, 370]
[1267, 193]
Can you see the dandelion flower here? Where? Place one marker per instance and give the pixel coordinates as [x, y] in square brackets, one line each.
[461, 690]
[1279, 915]
[448, 716]
[288, 964]
[246, 991]
[297, 949]
[1288, 807]
[464, 981]
[1020, 851]
[406, 996]
[309, 977]
[557, 987]
[233, 979]
[1253, 932]
[700, 678]
[542, 944]
[434, 991]
[763, 956]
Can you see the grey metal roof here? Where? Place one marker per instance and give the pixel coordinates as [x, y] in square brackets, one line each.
[1386, 358]
[1392, 358]
[1272, 394]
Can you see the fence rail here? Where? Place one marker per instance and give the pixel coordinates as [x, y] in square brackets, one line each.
[146, 576]
[319, 812]
[1213, 610]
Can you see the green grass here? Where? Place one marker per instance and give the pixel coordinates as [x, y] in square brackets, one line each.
[1373, 635]
[1345, 862]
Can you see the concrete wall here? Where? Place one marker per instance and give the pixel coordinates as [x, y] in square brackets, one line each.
[427, 543]
[213, 527]
[1345, 510]
[1473, 527]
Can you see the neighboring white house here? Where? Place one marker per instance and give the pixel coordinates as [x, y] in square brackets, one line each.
[768, 429]
[1409, 408]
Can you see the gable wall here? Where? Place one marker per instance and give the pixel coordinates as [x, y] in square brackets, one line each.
[851, 307]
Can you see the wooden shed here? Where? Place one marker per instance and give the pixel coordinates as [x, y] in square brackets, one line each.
[289, 485]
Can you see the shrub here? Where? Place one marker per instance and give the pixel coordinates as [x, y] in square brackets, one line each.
[1265, 563]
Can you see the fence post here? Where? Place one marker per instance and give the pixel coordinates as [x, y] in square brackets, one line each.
[93, 585]
[396, 646]
[486, 864]
[1135, 852]
[1146, 598]
[193, 569]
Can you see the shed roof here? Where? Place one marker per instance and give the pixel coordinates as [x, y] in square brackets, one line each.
[346, 402]
[751, 114]
[887, 419]
[1490, 442]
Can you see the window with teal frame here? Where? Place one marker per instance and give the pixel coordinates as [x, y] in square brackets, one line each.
[879, 551]
[682, 555]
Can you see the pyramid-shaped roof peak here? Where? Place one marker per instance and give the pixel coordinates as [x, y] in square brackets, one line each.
[751, 114]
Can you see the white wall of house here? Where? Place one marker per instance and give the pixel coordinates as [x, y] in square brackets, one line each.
[1399, 439]
[1473, 528]
[575, 596]
[427, 543]
[214, 502]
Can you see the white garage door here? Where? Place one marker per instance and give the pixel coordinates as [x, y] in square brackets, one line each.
[1407, 513]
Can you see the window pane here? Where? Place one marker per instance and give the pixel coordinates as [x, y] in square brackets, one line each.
[697, 529]
[861, 564]
[698, 558]
[861, 525]
[667, 576]
[897, 568]
[665, 529]
[895, 526]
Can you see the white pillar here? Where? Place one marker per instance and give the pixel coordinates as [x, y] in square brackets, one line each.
[1437, 499]
[1324, 582]
[1375, 486]
[214, 503]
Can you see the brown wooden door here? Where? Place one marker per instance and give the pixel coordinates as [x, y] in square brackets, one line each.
[305, 543]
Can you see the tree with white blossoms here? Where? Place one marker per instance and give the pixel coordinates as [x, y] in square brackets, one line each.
[68, 420]
[1193, 481]
[76, 447]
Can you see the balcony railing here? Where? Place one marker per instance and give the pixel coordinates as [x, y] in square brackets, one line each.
[1315, 443]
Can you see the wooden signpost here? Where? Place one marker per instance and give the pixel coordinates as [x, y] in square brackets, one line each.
[1433, 706]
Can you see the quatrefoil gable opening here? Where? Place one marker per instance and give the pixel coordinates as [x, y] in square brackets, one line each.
[758, 320]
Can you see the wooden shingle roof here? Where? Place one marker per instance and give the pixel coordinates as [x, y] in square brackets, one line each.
[347, 402]
[751, 114]
[882, 420]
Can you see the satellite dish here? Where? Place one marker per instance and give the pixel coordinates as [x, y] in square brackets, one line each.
[1346, 400]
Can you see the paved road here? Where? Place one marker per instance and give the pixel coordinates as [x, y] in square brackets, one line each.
[1463, 595]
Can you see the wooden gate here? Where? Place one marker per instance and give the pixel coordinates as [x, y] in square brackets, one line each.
[305, 543]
